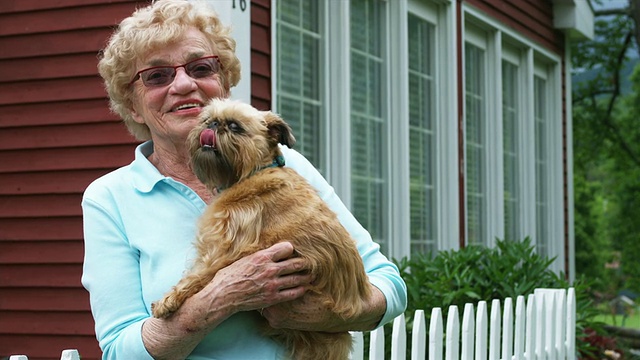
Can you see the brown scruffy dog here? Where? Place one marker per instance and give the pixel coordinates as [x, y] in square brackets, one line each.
[261, 203]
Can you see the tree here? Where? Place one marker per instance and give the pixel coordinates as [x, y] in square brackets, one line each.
[606, 145]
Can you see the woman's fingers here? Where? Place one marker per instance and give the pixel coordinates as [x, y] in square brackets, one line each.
[268, 277]
[279, 251]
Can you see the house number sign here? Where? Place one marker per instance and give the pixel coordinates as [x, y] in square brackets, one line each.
[237, 15]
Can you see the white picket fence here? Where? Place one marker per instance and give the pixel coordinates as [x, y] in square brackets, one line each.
[69, 354]
[542, 328]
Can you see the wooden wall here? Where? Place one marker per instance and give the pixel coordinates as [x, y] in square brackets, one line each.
[56, 136]
[532, 19]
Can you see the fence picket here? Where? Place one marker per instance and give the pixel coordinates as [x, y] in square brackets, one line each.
[541, 324]
[507, 329]
[436, 326]
[571, 320]
[481, 331]
[418, 337]
[494, 331]
[70, 354]
[357, 352]
[546, 298]
[561, 310]
[519, 330]
[452, 347]
[530, 344]
[399, 339]
[376, 344]
[468, 331]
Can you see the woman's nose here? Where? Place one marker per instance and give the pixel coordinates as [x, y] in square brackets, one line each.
[182, 81]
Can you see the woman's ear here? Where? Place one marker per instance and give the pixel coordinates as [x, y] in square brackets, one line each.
[279, 129]
[135, 115]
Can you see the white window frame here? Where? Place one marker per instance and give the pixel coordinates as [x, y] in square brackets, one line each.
[442, 15]
[337, 137]
[533, 58]
[515, 54]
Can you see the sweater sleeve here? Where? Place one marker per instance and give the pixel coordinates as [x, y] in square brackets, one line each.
[117, 305]
[382, 273]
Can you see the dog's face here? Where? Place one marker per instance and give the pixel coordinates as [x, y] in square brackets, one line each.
[233, 140]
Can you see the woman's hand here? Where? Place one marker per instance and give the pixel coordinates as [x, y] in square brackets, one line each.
[268, 277]
[309, 313]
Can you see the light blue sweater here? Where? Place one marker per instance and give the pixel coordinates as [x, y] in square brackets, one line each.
[139, 227]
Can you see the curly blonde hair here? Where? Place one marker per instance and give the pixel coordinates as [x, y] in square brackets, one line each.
[150, 28]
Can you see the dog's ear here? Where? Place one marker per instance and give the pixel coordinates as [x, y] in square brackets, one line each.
[279, 129]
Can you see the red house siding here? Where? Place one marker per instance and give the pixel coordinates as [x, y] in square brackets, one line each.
[531, 18]
[261, 54]
[56, 136]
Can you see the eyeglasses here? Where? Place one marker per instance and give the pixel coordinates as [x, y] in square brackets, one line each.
[157, 76]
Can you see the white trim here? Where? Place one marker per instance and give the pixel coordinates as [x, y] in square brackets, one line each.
[557, 182]
[239, 19]
[534, 60]
[529, 151]
[398, 66]
[338, 95]
[495, 147]
[569, 156]
[449, 170]
[446, 181]
[482, 39]
[575, 16]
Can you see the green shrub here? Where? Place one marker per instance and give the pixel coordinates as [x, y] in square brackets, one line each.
[476, 273]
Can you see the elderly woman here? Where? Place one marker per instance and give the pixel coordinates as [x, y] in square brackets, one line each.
[160, 67]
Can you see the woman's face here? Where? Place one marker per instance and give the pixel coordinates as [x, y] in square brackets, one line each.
[172, 110]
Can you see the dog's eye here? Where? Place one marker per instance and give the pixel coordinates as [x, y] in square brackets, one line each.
[233, 126]
[213, 125]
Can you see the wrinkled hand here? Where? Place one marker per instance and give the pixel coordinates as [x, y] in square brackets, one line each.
[310, 313]
[268, 277]
[305, 313]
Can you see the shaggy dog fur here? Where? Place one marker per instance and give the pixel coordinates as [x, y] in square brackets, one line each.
[235, 149]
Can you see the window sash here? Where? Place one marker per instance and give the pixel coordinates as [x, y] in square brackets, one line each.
[422, 130]
[369, 177]
[475, 144]
[511, 149]
[298, 83]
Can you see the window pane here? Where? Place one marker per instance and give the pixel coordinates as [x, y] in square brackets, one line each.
[368, 124]
[475, 99]
[298, 76]
[542, 166]
[422, 151]
[510, 111]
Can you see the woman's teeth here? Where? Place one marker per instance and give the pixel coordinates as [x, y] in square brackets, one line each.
[185, 106]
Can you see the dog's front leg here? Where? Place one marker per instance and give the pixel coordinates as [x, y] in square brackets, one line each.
[186, 287]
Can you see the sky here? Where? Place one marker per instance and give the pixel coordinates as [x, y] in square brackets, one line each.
[606, 4]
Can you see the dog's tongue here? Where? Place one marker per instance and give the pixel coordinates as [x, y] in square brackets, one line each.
[208, 137]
